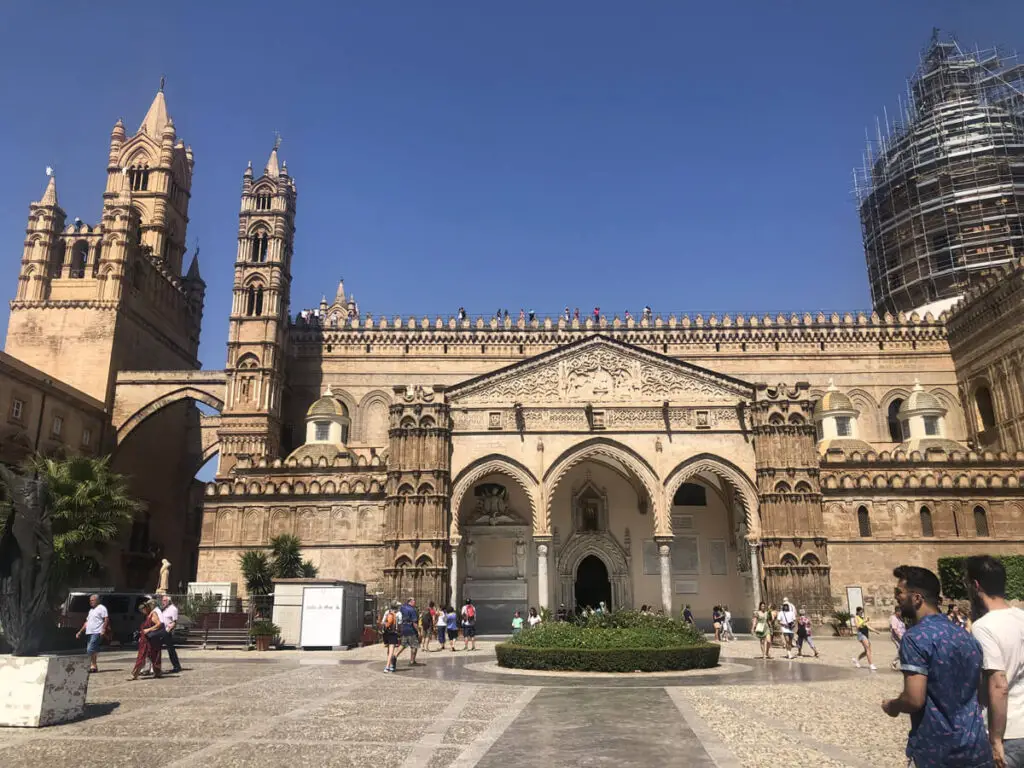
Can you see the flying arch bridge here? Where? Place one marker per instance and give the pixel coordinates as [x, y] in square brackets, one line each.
[141, 394]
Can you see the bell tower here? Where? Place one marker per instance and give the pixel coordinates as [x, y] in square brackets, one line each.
[95, 299]
[251, 419]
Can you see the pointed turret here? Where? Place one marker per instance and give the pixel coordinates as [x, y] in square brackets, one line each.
[339, 297]
[156, 118]
[272, 170]
[50, 194]
[193, 270]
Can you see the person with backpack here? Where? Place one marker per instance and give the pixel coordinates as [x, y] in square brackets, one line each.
[389, 628]
[468, 625]
[410, 631]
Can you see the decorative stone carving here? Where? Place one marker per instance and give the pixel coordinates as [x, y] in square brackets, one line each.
[492, 506]
[600, 371]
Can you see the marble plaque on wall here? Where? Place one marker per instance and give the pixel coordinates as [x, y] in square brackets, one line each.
[718, 557]
[686, 587]
[495, 553]
[494, 590]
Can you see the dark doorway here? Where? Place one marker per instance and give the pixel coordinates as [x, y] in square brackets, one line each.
[592, 584]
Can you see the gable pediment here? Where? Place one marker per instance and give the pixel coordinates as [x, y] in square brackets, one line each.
[600, 370]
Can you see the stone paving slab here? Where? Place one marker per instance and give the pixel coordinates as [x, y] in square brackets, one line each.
[340, 709]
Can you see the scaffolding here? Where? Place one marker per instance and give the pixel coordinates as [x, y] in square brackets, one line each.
[941, 190]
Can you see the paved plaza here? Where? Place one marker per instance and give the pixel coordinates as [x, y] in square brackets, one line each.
[340, 709]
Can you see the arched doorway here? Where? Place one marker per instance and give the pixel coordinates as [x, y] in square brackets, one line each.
[592, 583]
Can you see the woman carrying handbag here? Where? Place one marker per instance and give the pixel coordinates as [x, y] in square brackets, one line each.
[151, 635]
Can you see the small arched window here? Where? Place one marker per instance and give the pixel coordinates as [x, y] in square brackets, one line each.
[254, 301]
[980, 521]
[790, 560]
[782, 487]
[896, 433]
[138, 177]
[259, 245]
[926, 522]
[864, 522]
[263, 202]
[983, 405]
[810, 559]
[79, 259]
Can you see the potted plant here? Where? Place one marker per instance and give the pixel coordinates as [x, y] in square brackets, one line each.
[841, 622]
[263, 632]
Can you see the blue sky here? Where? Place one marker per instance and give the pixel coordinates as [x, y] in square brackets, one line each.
[531, 154]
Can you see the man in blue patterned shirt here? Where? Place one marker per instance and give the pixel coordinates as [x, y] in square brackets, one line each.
[941, 665]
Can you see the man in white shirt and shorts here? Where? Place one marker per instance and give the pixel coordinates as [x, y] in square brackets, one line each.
[999, 629]
[97, 622]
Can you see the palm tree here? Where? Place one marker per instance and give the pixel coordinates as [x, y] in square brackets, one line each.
[90, 505]
[309, 571]
[287, 553]
[257, 572]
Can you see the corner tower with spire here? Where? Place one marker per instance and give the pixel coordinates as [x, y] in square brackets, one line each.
[94, 299]
[251, 419]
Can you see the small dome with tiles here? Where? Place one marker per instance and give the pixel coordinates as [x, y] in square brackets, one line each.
[833, 401]
[921, 402]
[327, 405]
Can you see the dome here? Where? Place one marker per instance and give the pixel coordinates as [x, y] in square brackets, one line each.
[923, 444]
[846, 445]
[920, 401]
[833, 401]
[328, 405]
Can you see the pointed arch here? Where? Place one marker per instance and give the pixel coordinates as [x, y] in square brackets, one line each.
[729, 473]
[492, 464]
[606, 451]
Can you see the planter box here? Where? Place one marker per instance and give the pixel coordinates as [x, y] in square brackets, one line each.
[42, 690]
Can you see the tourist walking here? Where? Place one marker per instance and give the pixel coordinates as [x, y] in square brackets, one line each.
[727, 624]
[469, 626]
[941, 672]
[762, 624]
[440, 619]
[410, 631]
[150, 636]
[95, 626]
[803, 634]
[896, 630]
[169, 618]
[451, 622]
[999, 629]
[517, 623]
[787, 623]
[716, 622]
[389, 624]
[688, 616]
[864, 631]
[534, 618]
[427, 624]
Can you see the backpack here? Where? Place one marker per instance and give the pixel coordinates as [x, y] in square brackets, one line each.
[471, 613]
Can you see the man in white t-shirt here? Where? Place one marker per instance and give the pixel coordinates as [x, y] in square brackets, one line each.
[787, 623]
[999, 629]
[96, 624]
[169, 617]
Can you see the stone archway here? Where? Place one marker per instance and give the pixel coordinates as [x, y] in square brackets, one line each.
[728, 472]
[603, 546]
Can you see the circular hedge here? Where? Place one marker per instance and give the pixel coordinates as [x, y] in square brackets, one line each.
[616, 642]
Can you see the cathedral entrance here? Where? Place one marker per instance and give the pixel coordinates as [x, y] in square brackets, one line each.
[592, 584]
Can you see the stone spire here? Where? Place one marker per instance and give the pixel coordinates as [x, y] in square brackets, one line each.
[193, 269]
[156, 118]
[339, 297]
[50, 195]
[273, 170]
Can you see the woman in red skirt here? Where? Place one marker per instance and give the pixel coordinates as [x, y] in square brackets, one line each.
[150, 643]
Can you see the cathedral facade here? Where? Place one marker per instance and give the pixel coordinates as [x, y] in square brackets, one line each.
[665, 460]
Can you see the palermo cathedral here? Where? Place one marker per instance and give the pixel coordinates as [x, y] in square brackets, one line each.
[660, 460]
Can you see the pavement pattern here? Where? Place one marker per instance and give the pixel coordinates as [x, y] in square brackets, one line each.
[283, 708]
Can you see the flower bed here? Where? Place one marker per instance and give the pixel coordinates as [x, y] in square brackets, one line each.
[617, 642]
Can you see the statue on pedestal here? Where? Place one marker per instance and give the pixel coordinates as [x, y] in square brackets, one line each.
[165, 577]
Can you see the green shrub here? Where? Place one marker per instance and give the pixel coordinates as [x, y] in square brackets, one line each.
[625, 641]
[264, 628]
[951, 575]
[608, 659]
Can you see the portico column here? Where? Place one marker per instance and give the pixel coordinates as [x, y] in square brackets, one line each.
[454, 572]
[755, 572]
[665, 567]
[543, 582]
